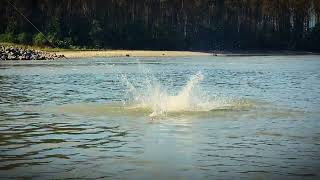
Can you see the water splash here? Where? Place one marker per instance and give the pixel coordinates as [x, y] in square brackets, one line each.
[144, 94]
[154, 96]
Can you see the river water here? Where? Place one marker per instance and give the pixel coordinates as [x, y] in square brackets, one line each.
[161, 118]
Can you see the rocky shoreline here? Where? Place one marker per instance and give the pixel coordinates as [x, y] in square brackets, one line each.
[17, 53]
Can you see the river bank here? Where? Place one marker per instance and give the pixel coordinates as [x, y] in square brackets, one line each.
[12, 51]
[22, 52]
[129, 53]
[74, 54]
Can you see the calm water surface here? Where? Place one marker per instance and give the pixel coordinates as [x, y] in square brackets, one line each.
[161, 118]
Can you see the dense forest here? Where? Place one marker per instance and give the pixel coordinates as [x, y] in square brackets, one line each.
[164, 24]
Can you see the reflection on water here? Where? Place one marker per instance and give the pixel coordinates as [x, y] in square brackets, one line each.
[80, 119]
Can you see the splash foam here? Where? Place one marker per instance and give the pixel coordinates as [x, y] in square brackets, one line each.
[154, 96]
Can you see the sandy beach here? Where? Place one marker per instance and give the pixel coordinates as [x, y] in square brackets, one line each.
[74, 54]
[130, 53]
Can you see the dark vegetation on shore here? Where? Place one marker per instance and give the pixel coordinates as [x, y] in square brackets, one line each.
[165, 24]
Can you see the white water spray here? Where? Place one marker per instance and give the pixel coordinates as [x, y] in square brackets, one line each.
[145, 94]
[156, 97]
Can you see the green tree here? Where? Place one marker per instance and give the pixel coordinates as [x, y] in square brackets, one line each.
[7, 37]
[39, 40]
[24, 38]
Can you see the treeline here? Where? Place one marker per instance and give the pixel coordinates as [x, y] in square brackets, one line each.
[164, 24]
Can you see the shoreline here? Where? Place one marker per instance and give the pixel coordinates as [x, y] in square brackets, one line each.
[46, 53]
[128, 53]
[74, 54]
